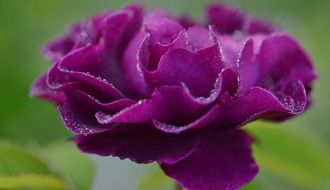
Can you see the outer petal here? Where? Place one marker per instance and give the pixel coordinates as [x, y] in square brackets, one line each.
[141, 144]
[256, 103]
[292, 94]
[282, 57]
[80, 120]
[88, 64]
[173, 105]
[57, 48]
[78, 112]
[41, 89]
[62, 45]
[221, 161]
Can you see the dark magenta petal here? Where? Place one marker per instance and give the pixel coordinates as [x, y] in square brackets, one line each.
[78, 112]
[141, 144]
[227, 83]
[173, 105]
[258, 26]
[41, 89]
[180, 66]
[136, 18]
[220, 161]
[292, 94]
[225, 18]
[282, 57]
[60, 46]
[230, 48]
[186, 21]
[161, 29]
[114, 29]
[87, 64]
[256, 103]
[213, 53]
[249, 68]
[94, 104]
[199, 38]
[136, 54]
[158, 49]
[80, 119]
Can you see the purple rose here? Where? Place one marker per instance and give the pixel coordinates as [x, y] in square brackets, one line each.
[154, 88]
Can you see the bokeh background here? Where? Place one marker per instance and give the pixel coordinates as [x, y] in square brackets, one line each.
[35, 152]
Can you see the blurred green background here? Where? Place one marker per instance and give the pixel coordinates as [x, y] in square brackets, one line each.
[294, 155]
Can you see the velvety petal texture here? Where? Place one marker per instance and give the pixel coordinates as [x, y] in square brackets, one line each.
[228, 153]
[150, 87]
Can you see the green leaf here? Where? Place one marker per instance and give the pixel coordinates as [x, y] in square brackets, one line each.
[289, 156]
[74, 166]
[21, 168]
[15, 160]
[31, 181]
[56, 167]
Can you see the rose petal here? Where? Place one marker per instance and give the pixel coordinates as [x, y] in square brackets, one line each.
[281, 57]
[256, 103]
[88, 65]
[186, 21]
[141, 144]
[161, 29]
[213, 53]
[219, 161]
[199, 38]
[114, 29]
[136, 54]
[292, 94]
[60, 46]
[225, 19]
[226, 83]
[41, 89]
[231, 49]
[157, 50]
[258, 26]
[80, 119]
[181, 66]
[94, 104]
[171, 104]
[249, 69]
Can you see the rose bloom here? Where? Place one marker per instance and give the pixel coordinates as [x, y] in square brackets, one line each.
[151, 87]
